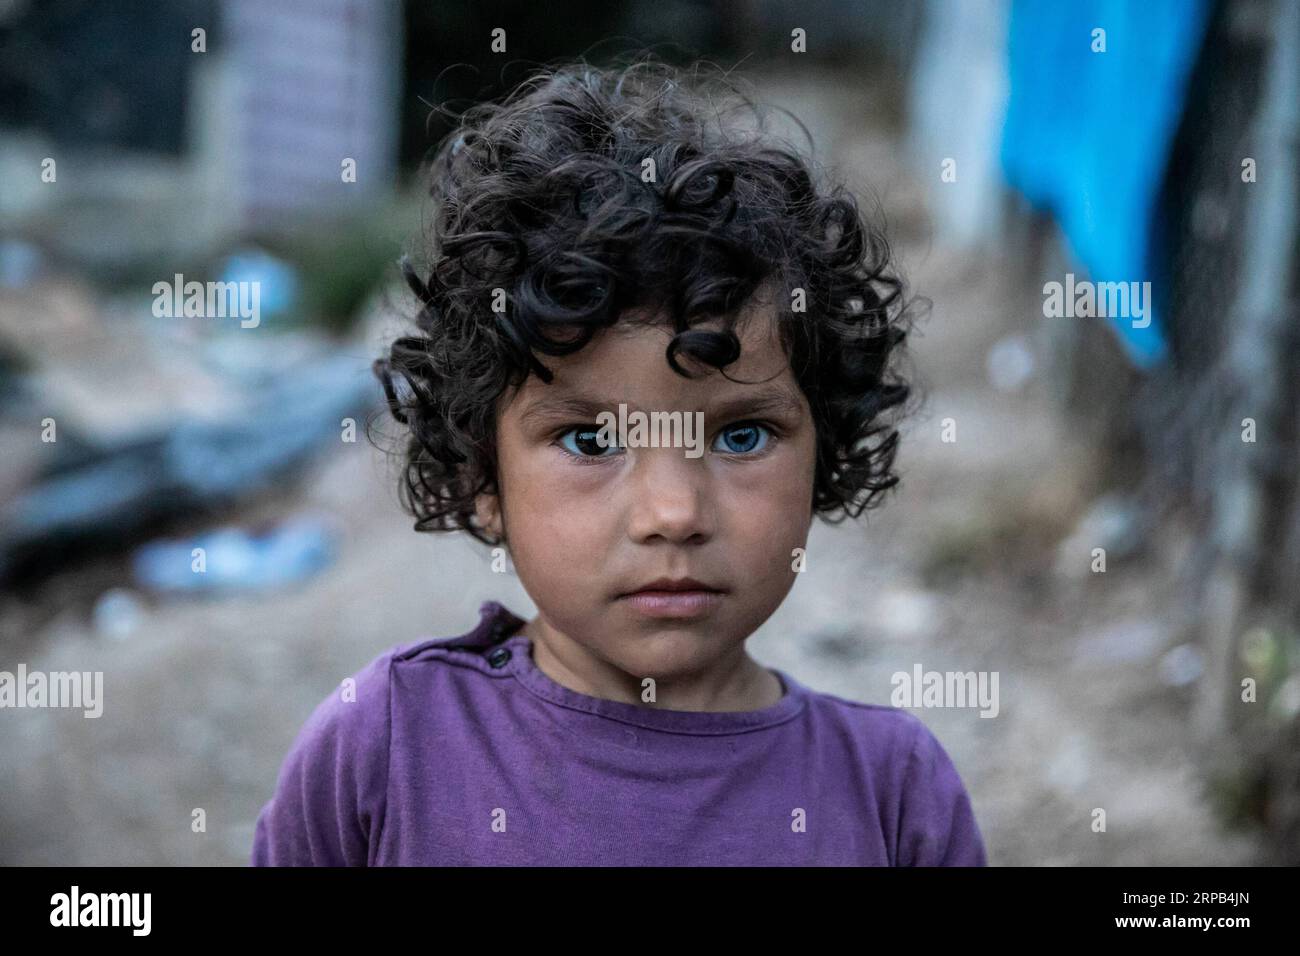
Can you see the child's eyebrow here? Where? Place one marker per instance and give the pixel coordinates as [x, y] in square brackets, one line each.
[770, 400]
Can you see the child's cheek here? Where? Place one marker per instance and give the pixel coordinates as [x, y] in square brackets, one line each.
[768, 505]
[780, 484]
[563, 509]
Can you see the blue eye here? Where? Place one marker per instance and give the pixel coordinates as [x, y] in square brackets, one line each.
[742, 438]
[581, 442]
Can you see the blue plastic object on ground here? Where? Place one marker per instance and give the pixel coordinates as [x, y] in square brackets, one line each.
[232, 559]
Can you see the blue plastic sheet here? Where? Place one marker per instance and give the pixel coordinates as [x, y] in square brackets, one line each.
[1088, 134]
[191, 465]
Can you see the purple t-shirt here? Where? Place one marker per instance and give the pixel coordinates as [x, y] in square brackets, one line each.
[460, 751]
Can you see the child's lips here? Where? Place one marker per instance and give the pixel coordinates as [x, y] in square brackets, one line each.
[673, 604]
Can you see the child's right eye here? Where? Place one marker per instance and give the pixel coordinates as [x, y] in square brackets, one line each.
[581, 442]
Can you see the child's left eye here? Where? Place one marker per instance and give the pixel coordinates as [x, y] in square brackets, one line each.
[742, 438]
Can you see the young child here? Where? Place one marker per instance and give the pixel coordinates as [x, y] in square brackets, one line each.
[610, 251]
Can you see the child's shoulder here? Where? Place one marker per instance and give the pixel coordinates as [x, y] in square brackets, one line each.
[362, 701]
[929, 807]
[889, 739]
[495, 623]
[883, 722]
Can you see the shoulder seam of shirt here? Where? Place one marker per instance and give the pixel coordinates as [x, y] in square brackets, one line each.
[405, 652]
[467, 657]
[412, 652]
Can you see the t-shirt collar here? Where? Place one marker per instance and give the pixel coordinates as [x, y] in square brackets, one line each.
[498, 625]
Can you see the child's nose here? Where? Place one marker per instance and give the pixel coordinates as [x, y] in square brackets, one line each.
[671, 497]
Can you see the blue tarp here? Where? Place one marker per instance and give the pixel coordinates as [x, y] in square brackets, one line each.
[1088, 134]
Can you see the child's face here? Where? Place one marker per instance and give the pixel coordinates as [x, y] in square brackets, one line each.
[584, 532]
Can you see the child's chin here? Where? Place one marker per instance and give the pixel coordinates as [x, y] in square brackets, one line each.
[666, 656]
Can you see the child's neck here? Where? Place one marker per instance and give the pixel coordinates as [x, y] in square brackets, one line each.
[736, 684]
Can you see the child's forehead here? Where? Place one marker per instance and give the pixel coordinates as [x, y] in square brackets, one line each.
[628, 362]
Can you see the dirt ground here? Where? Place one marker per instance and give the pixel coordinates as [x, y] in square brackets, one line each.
[957, 571]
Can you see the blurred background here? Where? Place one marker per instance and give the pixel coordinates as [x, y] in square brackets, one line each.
[1010, 145]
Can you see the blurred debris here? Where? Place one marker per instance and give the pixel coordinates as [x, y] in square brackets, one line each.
[841, 643]
[1261, 651]
[233, 559]
[105, 371]
[117, 613]
[190, 466]
[20, 263]
[1115, 523]
[1285, 704]
[277, 281]
[1135, 639]
[907, 613]
[138, 420]
[1182, 666]
[1071, 766]
[1010, 363]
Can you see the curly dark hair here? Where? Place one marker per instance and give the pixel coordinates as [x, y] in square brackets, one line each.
[541, 201]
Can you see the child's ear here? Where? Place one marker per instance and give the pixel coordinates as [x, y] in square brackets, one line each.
[487, 508]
